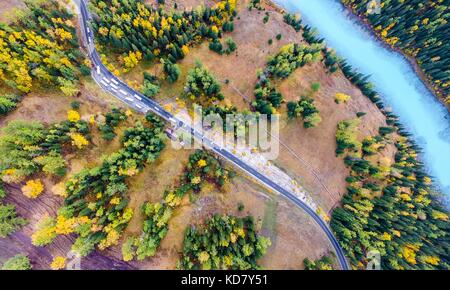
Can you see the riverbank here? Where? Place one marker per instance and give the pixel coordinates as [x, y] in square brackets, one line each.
[364, 23]
[401, 88]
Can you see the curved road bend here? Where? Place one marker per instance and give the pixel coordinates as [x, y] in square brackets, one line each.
[139, 102]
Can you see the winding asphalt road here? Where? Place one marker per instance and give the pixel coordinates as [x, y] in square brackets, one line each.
[139, 102]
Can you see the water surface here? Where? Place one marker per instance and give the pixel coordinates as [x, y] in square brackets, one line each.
[393, 77]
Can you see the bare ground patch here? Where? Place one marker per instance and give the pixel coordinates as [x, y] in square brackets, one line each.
[7, 8]
[317, 145]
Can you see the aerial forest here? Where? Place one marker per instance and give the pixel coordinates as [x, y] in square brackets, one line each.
[418, 28]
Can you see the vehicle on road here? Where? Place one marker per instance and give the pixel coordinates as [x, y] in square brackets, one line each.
[223, 152]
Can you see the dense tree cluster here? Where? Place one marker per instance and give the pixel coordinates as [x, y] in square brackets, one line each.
[323, 263]
[331, 60]
[268, 98]
[8, 103]
[341, 98]
[58, 263]
[306, 109]
[40, 47]
[203, 88]
[112, 120]
[236, 122]
[202, 167]
[33, 188]
[217, 46]
[130, 25]
[420, 29]
[18, 262]
[151, 85]
[95, 207]
[201, 85]
[156, 218]
[171, 69]
[390, 208]
[224, 242]
[291, 57]
[28, 147]
[9, 221]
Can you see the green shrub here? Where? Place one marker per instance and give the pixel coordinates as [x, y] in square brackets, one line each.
[18, 262]
[9, 222]
[8, 103]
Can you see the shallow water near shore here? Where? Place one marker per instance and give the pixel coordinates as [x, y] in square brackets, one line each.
[393, 76]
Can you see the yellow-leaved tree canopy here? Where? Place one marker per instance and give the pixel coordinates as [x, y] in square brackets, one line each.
[40, 48]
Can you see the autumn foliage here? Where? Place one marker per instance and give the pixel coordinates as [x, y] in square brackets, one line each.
[40, 48]
[223, 242]
[33, 188]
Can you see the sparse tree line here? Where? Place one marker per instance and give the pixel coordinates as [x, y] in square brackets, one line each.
[280, 66]
[418, 28]
[8, 102]
[305, 108]
[39, 49]
[202, 167]
[202, 86]
[293, 20]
